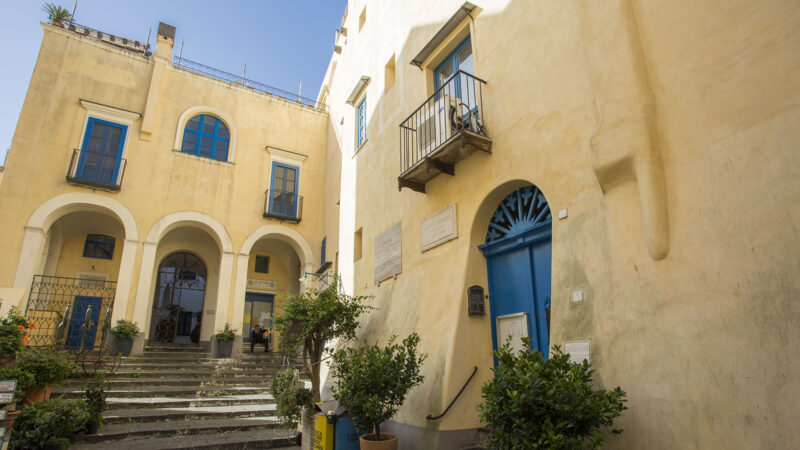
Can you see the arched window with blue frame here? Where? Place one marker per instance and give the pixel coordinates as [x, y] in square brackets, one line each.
[206, 135]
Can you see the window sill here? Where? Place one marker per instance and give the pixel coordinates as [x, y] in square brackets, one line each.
[203, 158]
[359, 148]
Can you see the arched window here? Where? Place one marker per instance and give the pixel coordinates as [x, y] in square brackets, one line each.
[206, 135]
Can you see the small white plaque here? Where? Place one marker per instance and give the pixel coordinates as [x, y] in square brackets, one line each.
[388, 252]
[8, 385]
[514, 326]
[6, 398]
[562, 213]
[209, 312]
[266, 285]
[577, 296]
[578, 351]
[438, 228]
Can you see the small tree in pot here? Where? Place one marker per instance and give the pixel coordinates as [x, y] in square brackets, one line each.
[372, 382]
[538, 402]
[125, 332]
[49, 369]
[56, 14]
[225, 341]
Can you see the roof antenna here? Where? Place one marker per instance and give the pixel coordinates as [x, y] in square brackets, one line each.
[180, 55]
[244, 72]
[72, 17]
[147, 44]
[300, 93]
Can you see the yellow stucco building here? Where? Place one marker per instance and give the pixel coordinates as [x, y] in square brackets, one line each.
[618, 178]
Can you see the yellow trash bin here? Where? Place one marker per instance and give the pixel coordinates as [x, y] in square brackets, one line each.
[323, 433]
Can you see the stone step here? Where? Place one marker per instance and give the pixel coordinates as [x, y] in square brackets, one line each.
[170, 391]
[141, 415]
[121, 382]
[254, 364]
[232, 440]
[193, 427]
[181, 357]
[185, 402]
[198, 372]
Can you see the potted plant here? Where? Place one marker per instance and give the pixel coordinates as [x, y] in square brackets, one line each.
[562, 409]
[225, 341]
[13, 335]
[56, 14]
[48, 367]
[292, 398]
[52, 421]
[125, 332]
[95, 397]
[372, 383]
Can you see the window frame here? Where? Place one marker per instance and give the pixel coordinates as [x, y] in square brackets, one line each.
[361, 113]
[255, 264]
[322, 251]
[222, 115]
[98, 244]
[452, 59]
[87, 135]
[215, 137]
[295, 200]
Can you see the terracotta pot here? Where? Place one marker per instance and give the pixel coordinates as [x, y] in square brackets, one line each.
[8, 360]
[384, 444]
[37, 394]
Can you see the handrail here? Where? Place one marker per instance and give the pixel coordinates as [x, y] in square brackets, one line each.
[474, 371]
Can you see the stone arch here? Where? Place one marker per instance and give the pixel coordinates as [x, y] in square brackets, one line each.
[205, 109]
[51, 210]
[206, 222]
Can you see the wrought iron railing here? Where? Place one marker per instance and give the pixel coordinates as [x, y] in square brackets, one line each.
[71, 312]
[283, 205]
[457, 105]
[96, 170]
[128, 44]
[242, 81]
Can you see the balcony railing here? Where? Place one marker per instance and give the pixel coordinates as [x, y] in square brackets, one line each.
[96, 170]
[283, 205]
[445, 129]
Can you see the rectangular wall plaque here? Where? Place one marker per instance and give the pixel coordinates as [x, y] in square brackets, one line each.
[438, 228]
[267, 285]
[578, 351]
[388, 251]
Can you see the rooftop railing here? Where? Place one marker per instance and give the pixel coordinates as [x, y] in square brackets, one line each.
[127, 44]
[242, 81]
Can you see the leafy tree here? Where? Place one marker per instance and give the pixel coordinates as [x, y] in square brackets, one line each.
[372, 381]
[536, 402]
[291, 397]
[311, 319]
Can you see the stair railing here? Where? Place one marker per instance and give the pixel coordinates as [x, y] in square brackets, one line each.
[429, 417]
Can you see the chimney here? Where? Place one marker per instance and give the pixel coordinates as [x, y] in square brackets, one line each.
[165, 41]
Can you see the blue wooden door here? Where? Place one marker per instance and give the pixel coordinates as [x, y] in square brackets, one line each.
[283, 200]
[101, 152]
[518, 258]
[77, 319]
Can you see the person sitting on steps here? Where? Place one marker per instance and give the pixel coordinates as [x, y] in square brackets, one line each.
[257, 337]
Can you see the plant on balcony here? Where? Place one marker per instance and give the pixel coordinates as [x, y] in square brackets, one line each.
[48, 367]
[372, 382]
[53, 421]
[125, 331]
[538, 402]
[311, 319]
[56, 14]
[291, 396]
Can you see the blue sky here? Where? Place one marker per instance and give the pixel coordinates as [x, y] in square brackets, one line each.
[283, 42]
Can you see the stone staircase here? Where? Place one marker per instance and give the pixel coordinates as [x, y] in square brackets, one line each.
[177, 396]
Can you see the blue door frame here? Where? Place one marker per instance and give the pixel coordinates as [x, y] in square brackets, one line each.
[249, 299]
[281, 206]
[78, 317]
[98, 158]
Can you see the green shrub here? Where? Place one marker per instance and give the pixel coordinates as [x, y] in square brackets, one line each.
[51, 420]
[24, 380]
[13, 332]
[56, 13]
[537, 402]
[226, 335]
[125, 329]
[372, 382]
[290, 395]
[48, 367]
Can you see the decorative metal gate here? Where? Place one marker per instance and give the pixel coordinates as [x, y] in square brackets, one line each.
[70, 312]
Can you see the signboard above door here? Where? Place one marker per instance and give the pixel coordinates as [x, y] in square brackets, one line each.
[264, 285]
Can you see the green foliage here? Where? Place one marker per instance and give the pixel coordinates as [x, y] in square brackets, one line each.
[49, 367]
[537, 402]
[290, 396]
[56, 13]
[95, 398]
[372, 382]
[13, 332]
[48, 421]
[24, 380]
[226, 335]
[312, 318]
[125, 329]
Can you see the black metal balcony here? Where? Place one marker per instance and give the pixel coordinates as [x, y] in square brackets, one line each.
[283, 205]
[96, 170]
[446, 128]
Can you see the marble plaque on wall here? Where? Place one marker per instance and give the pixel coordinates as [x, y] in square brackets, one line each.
[578, 351]
[438, 228]
[266, 285]
[388, 250]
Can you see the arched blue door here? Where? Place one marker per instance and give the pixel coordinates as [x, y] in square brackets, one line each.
[517, 250]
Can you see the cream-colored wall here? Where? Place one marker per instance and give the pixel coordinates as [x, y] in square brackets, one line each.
[697, 338]
[158, 181]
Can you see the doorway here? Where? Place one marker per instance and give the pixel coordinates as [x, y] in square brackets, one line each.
[518, 254]
[257, 311]
[178, 303]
